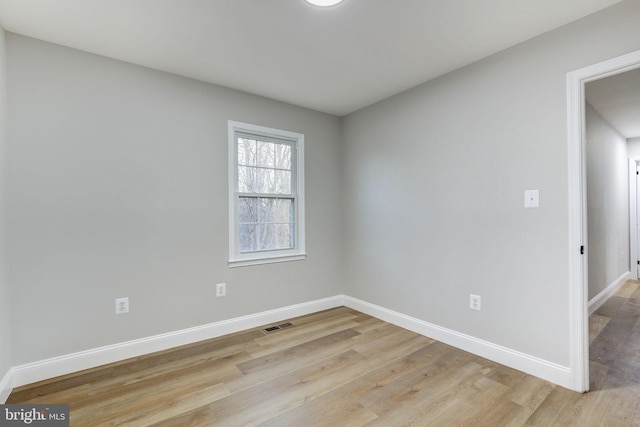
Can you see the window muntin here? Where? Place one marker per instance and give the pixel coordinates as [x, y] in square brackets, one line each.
[266, 194]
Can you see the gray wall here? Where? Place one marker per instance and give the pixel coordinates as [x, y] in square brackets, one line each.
[607, 202]
[633, 147]
[435, 179]
[117, 186]
[5, 302]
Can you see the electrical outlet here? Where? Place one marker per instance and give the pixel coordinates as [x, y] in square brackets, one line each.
[122, 305]
[475, 302]
[531, 198]
[221, 290]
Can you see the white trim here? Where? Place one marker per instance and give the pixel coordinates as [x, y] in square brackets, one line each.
[578, 321]
[62, 365]
[578, 311]
[532, 365]
[237, 259]
[597, 301]
[75, 362]
[6, 385]
[266, 260]
[633, 218]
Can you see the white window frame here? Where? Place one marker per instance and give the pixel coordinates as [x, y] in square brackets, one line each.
[236, 258]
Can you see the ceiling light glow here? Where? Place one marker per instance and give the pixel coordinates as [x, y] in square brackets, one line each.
[324, 3]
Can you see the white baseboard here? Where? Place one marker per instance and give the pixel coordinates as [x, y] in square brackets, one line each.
[540, 368]
[603, 296]
[50, 368]
[6, 385]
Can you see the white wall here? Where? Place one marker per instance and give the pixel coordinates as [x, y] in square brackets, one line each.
[633, 148]
[435, 179]
[117, 186]
[5, 302]
[607, 202]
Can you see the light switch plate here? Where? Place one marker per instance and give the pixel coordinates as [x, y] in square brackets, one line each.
[531, 198]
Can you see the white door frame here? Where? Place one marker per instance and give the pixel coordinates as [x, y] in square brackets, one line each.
[578, 285]
[633, 217]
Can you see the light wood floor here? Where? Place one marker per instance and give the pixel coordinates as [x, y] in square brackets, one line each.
[344, 368]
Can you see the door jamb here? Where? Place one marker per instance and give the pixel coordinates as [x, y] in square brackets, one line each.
[633, 217]
[578, 285]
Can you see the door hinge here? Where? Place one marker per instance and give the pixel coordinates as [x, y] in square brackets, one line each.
[581, 250]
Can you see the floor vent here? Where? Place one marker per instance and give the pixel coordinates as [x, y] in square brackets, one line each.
[275, 328]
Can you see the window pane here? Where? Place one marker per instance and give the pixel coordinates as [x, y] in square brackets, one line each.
[276, 210]
[285, 235]
[283, 210]
[283, 156]
[246, 151]
[282, 184]
[267, 210]
[265, 181]
[266, 154]
[274, 236]
[247, 179]
[248, 237]
[248, 210]
[265, 237]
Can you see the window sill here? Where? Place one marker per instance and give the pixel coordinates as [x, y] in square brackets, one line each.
[266, 260]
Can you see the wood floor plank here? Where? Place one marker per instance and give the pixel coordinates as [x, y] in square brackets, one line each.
[557, 404]
[202, 416]
[292, 354]
[609, 343]
[62, 396]
[636, 293]
[262, 402]
[596, 325]
[611, 306]
[382, 339]
[342, 367]
[368, 323]
[491, 395]
[152, 409]
[597, 374]
[119, 372]
[336, 404]
[336, 411]
[627, 289]
[619, 399]
[219, 369]
[504, 375]
[530, 392]
[423, 403]
[427, 376]
[285, 339]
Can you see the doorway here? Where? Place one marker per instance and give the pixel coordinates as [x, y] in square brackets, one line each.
[578, 236]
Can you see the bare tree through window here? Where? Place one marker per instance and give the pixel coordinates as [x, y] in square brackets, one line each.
[266, 194]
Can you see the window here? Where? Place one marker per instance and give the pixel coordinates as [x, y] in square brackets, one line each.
[266, 195]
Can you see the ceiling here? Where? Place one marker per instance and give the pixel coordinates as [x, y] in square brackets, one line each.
[617, 99]
[335, 60]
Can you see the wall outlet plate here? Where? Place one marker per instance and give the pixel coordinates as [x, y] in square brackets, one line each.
[475, 302]
[122, 305]
[532, 198]
[221, 290]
